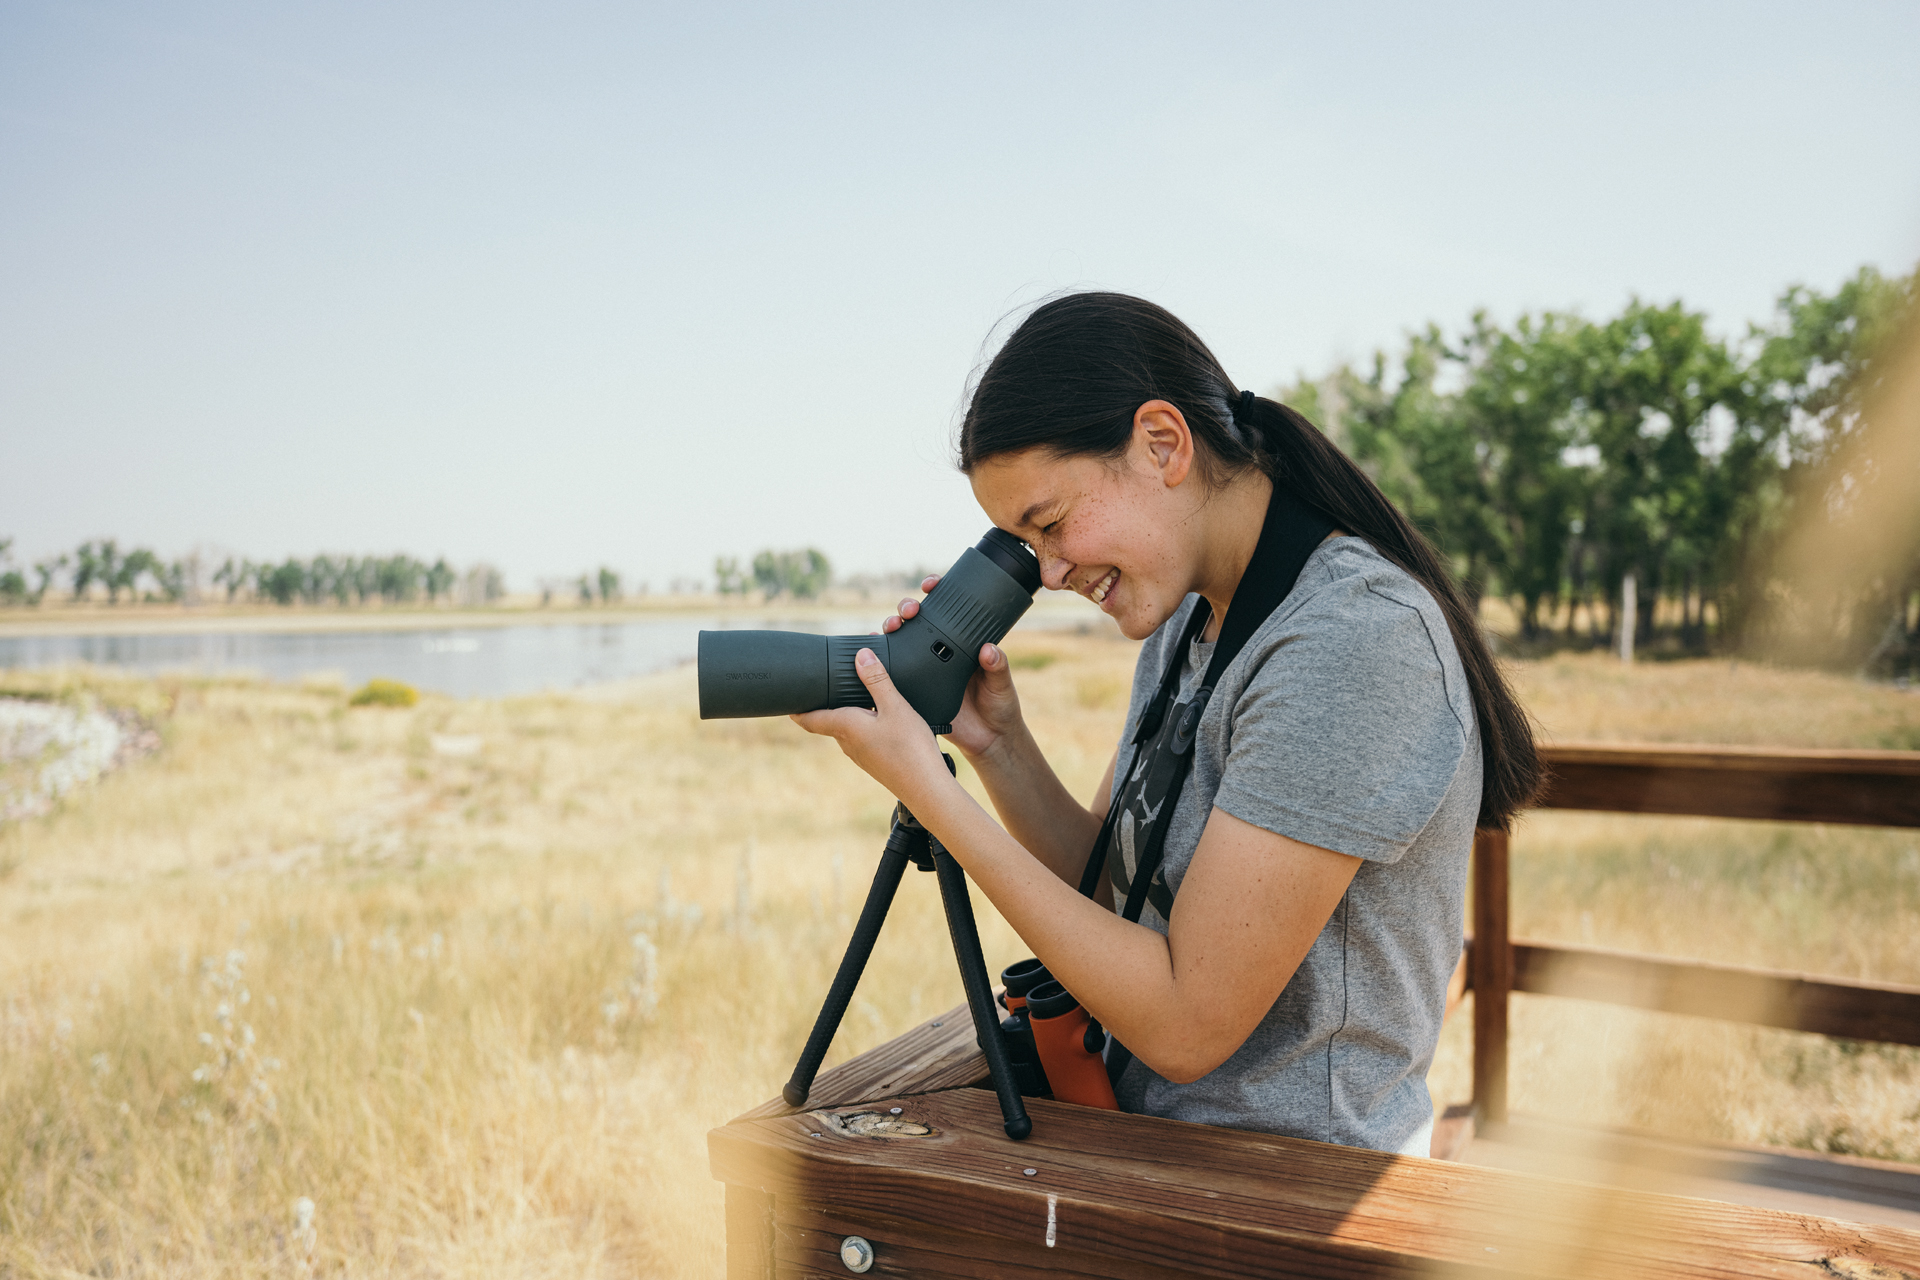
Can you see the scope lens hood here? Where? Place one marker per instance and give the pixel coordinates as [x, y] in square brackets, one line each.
[1013, 556]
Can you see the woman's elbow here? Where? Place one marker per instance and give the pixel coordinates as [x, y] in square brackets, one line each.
[1187, 1057]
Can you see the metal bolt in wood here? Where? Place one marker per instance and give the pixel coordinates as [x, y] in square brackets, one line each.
[856, 1254]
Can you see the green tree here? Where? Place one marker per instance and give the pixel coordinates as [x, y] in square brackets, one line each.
[172, 578]
[127, 570]
[440, 577]
[1520, 409]
[1651, 377]
[728, 580]
[1423, 453]
[13, 583]
[283, 583]
[86, 569]
[609, 585]
[766, 574]
[234, 575]
[803, 574]
[398, 578]
[45, 571]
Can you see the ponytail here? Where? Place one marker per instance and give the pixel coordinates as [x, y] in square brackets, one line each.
[1298, 455]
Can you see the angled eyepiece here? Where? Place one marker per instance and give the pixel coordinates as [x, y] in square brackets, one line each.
[1012, 555]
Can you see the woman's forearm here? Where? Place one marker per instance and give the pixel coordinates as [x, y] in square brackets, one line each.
[1036, 808]
[1251, 905]
[1121, 971]
[1252, 901]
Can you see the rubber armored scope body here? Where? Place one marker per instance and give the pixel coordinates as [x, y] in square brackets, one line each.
[931, 657]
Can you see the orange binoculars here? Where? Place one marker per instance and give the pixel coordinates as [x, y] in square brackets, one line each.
[1048, 1028]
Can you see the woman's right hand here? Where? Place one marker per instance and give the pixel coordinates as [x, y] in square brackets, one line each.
[991, 709]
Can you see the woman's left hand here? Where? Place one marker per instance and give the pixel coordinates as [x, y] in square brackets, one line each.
[891, 742]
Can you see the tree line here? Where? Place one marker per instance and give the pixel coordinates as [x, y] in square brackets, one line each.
[98, 562]
[138, 573]
[804, 574]
[1557, 458]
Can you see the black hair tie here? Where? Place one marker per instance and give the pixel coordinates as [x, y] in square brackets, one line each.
[1244, 410]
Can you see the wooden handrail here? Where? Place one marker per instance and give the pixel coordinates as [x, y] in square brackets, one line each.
[1870, 788]
[1882, 1011]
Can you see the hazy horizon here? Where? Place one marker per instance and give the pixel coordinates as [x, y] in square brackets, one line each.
[579, 285]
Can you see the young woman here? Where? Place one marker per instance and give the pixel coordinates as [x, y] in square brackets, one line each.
[1290, 973]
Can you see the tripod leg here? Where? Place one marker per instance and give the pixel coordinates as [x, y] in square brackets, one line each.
[973, 976]
[886, 880]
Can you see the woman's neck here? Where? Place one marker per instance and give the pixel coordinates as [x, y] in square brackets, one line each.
[1233, 517]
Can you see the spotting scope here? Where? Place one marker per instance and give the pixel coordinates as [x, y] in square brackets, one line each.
[931, 657]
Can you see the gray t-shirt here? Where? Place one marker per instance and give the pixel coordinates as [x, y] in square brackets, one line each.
[1346, 723]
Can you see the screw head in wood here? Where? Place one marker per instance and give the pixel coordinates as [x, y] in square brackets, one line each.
[856, 1255]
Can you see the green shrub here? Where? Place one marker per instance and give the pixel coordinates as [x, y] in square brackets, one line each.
[384, 693]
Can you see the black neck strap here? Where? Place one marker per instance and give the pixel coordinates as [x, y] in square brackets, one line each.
[1289, 535]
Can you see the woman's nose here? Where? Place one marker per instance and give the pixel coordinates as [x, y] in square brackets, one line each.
[1054, 571]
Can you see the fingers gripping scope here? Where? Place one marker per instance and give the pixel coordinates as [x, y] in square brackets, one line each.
[931, 657]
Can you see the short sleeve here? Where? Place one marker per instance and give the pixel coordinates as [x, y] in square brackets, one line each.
[1344, 733]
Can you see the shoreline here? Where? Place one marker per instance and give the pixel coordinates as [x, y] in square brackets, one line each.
[1062, 611]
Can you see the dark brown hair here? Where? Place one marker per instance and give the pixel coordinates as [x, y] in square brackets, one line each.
[1072, 375]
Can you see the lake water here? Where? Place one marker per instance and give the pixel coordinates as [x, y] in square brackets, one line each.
[466, 662]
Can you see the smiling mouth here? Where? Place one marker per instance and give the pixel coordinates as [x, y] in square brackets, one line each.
[1098, 594]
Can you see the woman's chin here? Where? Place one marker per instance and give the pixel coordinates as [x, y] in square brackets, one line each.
[1135, 627]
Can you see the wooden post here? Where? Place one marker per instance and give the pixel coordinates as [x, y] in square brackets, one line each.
[1492, 965]
[749, 1234]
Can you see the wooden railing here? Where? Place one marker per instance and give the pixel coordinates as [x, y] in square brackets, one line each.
[1869, 788]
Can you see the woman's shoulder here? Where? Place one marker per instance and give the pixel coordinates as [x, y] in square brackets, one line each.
[1360, 621]
[1349, 586]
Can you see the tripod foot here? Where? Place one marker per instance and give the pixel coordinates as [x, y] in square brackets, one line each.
[1019, 1127]
[795, 1095]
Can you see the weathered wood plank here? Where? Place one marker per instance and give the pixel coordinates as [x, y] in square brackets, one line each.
[809, 1239]
[1221, 1202]
[1491, 969]
[940, 1053]
[1768, 998]
[1872, 788]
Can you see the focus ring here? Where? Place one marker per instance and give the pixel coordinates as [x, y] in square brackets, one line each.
[844, 686]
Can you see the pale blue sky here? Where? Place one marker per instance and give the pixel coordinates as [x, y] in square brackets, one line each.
[562, 284]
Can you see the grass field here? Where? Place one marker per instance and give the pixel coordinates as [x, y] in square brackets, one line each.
[474, 979]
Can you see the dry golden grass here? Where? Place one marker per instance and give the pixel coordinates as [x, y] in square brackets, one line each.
[496, 999]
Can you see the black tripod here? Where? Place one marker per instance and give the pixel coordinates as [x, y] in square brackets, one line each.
[911, 842]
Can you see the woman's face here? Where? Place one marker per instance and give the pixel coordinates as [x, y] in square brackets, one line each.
[1118, 531]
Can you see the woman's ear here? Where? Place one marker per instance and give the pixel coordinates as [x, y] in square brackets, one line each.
[1163, 441]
